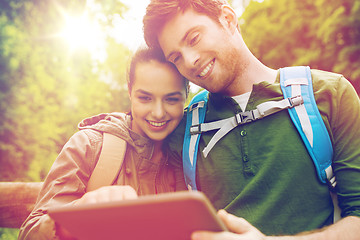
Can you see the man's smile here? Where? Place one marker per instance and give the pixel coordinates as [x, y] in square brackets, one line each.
[207, 69]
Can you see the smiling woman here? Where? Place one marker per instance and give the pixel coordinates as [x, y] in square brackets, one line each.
[158, 94]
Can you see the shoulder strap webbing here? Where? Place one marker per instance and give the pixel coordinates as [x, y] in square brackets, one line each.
[109, 164]
[307, 119]
[195, 116]
[226, 125]
[296, 81]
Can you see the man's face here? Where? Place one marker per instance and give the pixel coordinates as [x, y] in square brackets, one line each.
[201, 48]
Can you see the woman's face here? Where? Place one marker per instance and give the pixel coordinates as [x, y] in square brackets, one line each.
[157, 99]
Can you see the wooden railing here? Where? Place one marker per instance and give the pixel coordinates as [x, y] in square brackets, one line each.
[17, 199]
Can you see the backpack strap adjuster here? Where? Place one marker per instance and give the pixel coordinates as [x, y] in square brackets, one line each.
[196, 105]
[195, 129]
[330, 179]
[331, 184]
[295, 101]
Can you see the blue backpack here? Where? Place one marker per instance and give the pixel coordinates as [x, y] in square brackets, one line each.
[296, 85]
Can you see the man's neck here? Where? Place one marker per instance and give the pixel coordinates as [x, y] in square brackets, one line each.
[254, 73]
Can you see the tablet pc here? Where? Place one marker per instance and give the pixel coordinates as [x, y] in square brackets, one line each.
[161, 217]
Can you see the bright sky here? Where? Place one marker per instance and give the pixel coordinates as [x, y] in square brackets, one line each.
[83, 32]
[129, 28]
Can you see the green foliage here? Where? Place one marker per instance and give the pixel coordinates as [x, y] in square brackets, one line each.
[324, 34]
[45, 89]
[9, 233]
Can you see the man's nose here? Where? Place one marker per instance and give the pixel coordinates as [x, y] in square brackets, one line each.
[191, 58]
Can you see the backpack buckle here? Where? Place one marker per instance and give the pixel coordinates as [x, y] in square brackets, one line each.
[331, 183]
[295, 101]
[195, 129]
[196, 105]
[244, 117]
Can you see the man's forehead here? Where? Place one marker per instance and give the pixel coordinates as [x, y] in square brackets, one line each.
[176, 28]
[168, 38]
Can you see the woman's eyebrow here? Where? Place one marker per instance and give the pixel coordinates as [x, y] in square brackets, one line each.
[174, 94]
[142, 91]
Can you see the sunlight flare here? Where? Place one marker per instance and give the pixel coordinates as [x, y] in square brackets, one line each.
[81, 32]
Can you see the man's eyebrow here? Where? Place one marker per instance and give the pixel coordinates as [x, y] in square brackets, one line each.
[181, 41]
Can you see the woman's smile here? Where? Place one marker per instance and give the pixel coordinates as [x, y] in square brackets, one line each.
[157, 124]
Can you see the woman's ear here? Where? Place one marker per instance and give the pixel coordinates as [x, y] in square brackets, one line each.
[129, 87]
[129, 92]
[228, 18]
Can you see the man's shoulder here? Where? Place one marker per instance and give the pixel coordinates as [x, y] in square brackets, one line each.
[321, 75]
[176, 138]
[329, 82]
[180, 129]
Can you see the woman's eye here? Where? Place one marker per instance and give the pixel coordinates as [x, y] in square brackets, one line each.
[172, 100]
[144, 98]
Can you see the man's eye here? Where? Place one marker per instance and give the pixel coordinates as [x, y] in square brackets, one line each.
[176, 59]
[194, 39]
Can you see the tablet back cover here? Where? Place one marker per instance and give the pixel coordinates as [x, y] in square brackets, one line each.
[164, 216]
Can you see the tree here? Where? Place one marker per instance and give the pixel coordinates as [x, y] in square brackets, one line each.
[322, 34]
[45, 90]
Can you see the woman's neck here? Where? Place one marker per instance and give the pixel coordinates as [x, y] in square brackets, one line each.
[157, 153]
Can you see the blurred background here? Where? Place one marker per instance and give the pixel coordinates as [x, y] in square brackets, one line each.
[62, 61]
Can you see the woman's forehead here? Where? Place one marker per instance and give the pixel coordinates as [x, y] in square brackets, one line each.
[158, 77]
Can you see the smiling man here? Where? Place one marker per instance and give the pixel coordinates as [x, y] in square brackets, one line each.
[259, 171]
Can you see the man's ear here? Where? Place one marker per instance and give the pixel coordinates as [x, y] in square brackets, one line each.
[228, 18]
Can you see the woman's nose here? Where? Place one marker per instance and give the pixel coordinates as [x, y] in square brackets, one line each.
[158, 110]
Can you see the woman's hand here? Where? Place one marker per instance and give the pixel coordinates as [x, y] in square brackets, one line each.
[108, 194]
[103, 194]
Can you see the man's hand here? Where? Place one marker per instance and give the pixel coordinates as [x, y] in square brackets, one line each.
[238, 228]
[108, 194]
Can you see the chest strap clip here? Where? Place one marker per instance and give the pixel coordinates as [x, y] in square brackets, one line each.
[245, 117]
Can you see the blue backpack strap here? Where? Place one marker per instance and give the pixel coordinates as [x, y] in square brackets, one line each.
[307, 119]
[195, 116]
